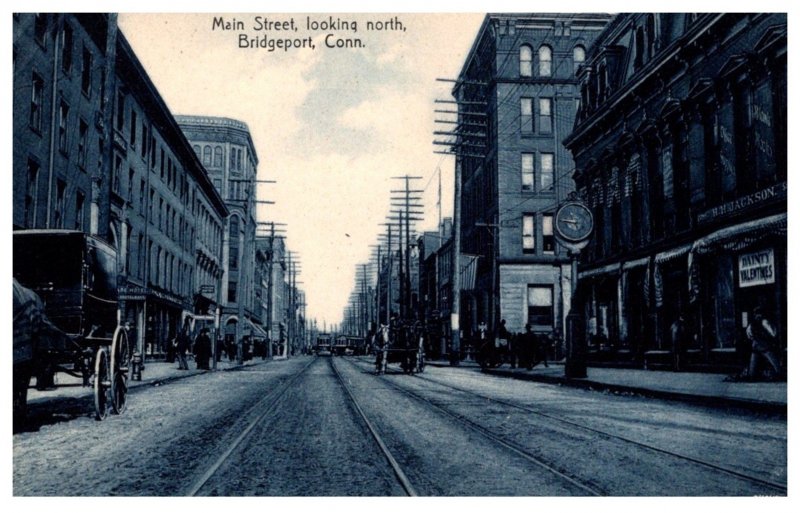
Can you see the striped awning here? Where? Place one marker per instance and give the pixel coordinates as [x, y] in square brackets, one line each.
[468, 270]
[607, 269]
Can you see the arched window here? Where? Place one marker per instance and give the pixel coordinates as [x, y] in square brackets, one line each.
[578, 58]
[525, 61]
[196, 149]
[652, 35]
[218, 156]
[545, 61]
[207, 156]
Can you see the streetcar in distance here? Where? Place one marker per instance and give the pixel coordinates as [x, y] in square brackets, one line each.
[66, 317]
[324, 344]
[348, 345]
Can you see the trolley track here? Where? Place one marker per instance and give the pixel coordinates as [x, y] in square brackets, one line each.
[584, 487]
[712, 466]
[398, 471]
[268, 404]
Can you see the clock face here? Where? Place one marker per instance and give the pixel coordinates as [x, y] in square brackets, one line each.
[574, 222]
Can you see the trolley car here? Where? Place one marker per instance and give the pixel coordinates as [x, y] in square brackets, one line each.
[66, 317]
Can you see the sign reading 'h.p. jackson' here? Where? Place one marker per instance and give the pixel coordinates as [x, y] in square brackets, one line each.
[757, 268]
[774, 193]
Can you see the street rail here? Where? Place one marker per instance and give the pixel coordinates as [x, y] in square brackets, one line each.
[268, 403]
[398, 471]
[586, 488]
[740, 475]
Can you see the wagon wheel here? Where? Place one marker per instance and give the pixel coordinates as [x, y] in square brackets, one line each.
[120, 368]
[102, 384]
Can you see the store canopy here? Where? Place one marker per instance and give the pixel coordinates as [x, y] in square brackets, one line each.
[468, 268]
[733, 238]
[256, 331]
[608, 269]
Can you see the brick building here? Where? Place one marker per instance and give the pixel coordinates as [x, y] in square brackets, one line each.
[517, 96]
[680, 151]
[226, 150]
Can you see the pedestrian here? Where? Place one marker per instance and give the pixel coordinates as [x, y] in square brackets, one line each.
[503, 344]
[678, 336]
[544, 345]
[181, 346]
[526, 342]
[762, 336]
[202, 349]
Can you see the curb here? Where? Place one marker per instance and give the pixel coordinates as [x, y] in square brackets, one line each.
[769, 407]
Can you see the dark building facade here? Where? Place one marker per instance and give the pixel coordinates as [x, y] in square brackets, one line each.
[517, 96]
[97, 150]
[680, 153]
[61, 117]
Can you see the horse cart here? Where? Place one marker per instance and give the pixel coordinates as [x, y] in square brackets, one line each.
[403, 344]
[66, 317]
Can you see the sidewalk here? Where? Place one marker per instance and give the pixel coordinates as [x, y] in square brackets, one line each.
[154, 374]
[702, 388]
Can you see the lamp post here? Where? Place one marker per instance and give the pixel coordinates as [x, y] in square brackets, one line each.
[574, 224]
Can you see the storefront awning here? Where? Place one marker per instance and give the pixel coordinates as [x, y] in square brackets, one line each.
[256, 331]
[468, 269]
[631, 264]
[733, 238]
[672, 254]
[607, 269]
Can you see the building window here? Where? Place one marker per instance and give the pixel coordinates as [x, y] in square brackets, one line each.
[66, 49]
[548, 238]
[58, 214]
[525, 61]
[130, 185]
[197, 150]
[527, 171]
[120, 111]
[141, 196]
[546, 172]
[40, 29]
[32, 194]
[526, 115]
[540, 305]
[218, 156]
[133, 128]
[231, 292]
[545, 115]
[37, 92]
[144, 140]
[545, 61]
[63, 118]
[578, 58]
[207, 156]
[86, 72]
[80, 200]
[83, 143]
[528, 233]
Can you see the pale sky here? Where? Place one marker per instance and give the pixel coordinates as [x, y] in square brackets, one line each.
[332, 126]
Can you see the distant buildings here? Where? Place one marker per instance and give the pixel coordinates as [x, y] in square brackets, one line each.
[226, 150]
[680, 152]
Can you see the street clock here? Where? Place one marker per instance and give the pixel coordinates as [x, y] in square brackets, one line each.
[573, 225]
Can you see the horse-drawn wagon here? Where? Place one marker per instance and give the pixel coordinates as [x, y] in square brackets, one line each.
[66, 317]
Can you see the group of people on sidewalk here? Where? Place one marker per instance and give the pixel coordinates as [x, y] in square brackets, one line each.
[201, 348]
[527, 349]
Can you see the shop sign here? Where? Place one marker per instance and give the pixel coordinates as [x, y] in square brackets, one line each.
[133, 293]
[757, 268]
[773, 193]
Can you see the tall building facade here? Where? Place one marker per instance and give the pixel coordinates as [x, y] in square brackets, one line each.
[517, 96]
[62, 64]
[680, 151]
[226, 150]
[97, 150]
[168, 215]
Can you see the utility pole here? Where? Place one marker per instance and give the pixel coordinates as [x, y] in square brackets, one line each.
[467, 140]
